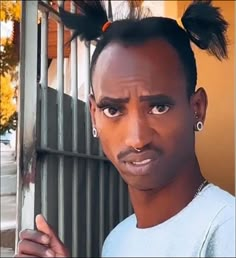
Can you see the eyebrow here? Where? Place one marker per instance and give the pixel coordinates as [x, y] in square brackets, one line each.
[108, 100]
[160, 98]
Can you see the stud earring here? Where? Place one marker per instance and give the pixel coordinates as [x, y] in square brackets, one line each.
[199, 126]
[95, 132]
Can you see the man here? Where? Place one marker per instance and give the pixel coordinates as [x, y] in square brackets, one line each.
[144, 78]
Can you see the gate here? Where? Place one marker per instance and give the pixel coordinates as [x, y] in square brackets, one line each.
[62, 172]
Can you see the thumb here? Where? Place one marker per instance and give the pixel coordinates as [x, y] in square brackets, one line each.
[55, 244]
[43, 226]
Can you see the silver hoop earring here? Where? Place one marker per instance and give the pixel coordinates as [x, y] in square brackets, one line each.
[95, 132]
[199, 126]
[137, 149]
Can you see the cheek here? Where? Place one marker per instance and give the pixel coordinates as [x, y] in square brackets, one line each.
[177, 134]
[106, 132]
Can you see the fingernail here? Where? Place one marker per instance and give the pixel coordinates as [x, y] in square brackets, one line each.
[45, 239]
[50, 253]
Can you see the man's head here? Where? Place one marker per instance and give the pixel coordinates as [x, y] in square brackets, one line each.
[140, 101]
[144, 76]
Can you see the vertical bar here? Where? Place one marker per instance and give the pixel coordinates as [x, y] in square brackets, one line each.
[130, 208]
[88, 151]
[110, 14]
[111, 197]
[101, 202]
[44, 118]
[26, 158]
[75, 192]
[60, 99]
[87, 92]
[121, 199]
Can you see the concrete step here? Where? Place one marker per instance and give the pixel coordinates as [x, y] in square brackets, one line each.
[8, 212]
[8, 184]
[6, 252]
[8, 168]
[8, 238]
[8, 221]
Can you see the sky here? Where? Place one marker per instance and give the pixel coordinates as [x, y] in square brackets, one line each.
[6, 29]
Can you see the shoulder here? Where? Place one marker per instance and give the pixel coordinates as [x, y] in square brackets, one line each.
[117, 233]
[218, 200]
[220, 235]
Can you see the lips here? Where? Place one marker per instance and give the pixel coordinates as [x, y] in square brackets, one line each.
[140, 164]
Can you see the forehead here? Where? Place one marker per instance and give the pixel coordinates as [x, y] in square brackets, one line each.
[153, 66]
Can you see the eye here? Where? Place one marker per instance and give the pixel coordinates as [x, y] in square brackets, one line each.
[111, 112]
[159, 109]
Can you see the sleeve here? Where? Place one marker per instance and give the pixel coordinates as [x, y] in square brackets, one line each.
[221, 242]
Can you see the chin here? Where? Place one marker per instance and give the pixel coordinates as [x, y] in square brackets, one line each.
[140, 183]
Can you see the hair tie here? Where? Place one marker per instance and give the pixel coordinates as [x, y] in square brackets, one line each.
[179, 22]
[106, 26]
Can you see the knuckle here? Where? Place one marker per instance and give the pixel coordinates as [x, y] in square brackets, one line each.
[23, 233]
[20, 245]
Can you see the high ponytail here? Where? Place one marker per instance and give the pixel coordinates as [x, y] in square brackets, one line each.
[206, 27]
[88, 22]
[203, 24]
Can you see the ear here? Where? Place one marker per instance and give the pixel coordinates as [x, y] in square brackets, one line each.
[92, 107]
[199, 104]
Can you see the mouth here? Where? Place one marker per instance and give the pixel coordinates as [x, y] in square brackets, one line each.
[140, 163]
[141, 168]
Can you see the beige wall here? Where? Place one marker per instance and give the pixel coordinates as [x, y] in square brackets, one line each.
[215, 145]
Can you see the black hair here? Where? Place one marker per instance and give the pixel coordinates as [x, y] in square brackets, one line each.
[203, 24]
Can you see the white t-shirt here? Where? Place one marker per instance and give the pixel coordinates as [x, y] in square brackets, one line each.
[204, 228]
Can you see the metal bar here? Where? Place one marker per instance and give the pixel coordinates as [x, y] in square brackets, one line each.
[121, 199]
[45, 151]
[88, 209]
[45, 7]
[101, 201]
[26, 162]
[111, 198]
[20, 126]
[44, 118]
[87, 92]
[75, 192]
[60, 98]
[88, 152]
[101, 205]
[130, 208]
[110, 14]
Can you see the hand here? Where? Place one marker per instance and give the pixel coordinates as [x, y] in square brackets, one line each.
[41, 243]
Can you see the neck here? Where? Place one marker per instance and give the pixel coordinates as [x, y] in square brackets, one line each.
[156, 206]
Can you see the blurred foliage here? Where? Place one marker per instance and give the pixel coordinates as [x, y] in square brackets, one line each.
[10, 11]
[7, 105]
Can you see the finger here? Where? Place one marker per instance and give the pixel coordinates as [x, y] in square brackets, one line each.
[44, 227]
[34, 236]
[26, 247]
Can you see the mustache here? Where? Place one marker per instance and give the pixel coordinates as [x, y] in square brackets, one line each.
[131, 150]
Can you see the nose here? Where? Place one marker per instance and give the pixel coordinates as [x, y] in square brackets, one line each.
[138, 133]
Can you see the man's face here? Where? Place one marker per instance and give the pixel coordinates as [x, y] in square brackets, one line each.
[141, 102]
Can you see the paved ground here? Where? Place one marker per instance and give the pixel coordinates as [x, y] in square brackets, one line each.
[8, 212]
[8, 225]
[6, 252]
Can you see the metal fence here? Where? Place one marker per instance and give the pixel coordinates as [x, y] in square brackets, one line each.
[62, 172]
